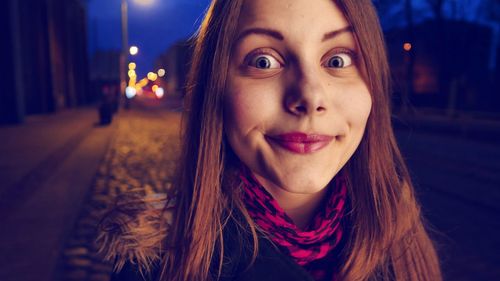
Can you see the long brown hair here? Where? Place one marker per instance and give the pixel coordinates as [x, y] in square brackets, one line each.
[387, 239]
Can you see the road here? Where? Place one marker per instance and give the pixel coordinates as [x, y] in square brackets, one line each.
[458, 182]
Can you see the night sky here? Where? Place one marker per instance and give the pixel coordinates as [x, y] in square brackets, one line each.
[155, 27]
[152, 28]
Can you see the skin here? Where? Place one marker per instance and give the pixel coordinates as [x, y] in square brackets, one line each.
[286, 75]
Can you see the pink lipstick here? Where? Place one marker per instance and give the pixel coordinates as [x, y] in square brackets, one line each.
[301, 143]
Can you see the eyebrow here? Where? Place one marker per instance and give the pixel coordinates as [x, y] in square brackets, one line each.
[262, 31]
[336, 33]
[278, 36]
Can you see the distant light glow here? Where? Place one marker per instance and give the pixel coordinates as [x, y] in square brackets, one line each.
[407, 46]
[143, 82]
[130, 92]
[144, 2]
[132, 81]
[159, 92]
[131, 73]
[161, 72]
[152, 76]
[132, 66]
[154, 88]
[134, 50]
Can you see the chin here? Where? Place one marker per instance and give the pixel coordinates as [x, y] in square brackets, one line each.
[309, 184]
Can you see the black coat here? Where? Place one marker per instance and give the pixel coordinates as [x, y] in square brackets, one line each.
[270, 265]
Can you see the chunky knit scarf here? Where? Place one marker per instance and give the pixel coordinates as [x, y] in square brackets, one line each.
[308, 247]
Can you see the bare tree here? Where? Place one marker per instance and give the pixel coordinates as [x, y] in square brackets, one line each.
[400, 13]
[490, 10]
[436, 7]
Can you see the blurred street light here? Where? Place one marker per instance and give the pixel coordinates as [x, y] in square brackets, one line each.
[407, 46]
[152, 76]
[142, 83]
[130, 92]
[134, 50]
[144, 2]
[159, 92]
[132, 66]
[161, 72]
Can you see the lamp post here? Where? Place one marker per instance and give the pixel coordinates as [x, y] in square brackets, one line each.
[124, 52]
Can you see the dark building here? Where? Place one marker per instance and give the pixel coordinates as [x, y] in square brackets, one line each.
[176, 62]
[43, 57]
[104, 72]
[453, 68]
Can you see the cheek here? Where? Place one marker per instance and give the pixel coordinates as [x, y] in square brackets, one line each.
[365, 106]
[239, 115]
[357, 105]
[248, 106]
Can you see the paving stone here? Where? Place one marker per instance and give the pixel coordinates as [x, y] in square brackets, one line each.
[76, 251]
[78, 274]
[76, 241]
[85, 231]
[79, 262]
[99, 277]
[102, 268]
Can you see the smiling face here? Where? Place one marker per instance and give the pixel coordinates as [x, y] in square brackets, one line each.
[296, 104]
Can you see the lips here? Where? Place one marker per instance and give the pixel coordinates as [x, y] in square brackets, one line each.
[301, 143]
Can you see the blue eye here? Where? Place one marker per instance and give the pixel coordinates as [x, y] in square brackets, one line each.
[339, 61]
[264, 62]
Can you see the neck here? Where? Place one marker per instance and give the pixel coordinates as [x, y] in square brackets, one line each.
[300, 207]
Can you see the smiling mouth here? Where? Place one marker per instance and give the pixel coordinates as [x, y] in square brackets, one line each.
[301, 143]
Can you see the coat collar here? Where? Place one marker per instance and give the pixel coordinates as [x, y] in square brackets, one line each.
[270, 264]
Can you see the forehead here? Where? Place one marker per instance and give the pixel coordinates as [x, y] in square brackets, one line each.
[299, 17]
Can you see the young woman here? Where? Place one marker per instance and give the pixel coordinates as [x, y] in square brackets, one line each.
[289, 167]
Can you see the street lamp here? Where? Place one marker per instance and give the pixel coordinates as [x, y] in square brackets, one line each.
[144, 2]
[133, 50]
[123, 55]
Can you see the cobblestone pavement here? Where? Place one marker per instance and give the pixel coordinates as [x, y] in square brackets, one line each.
[142, 155]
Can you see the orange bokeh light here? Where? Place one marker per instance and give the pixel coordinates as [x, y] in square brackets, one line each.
[407, 46]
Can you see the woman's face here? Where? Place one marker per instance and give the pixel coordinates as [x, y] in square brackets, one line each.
[296, 104]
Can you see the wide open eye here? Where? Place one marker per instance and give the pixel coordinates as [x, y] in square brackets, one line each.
[340, 60]
[263, 61]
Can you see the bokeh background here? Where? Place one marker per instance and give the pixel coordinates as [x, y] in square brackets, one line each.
[91, 93]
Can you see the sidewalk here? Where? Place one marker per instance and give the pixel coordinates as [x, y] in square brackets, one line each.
[142, 156]
[46, 169]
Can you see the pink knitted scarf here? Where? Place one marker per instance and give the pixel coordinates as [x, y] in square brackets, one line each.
[303, 246]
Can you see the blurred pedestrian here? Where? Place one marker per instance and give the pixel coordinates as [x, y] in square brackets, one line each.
[289, 167]
[106, 105]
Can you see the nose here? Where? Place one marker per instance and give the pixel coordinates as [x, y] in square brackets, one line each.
[306, 95]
